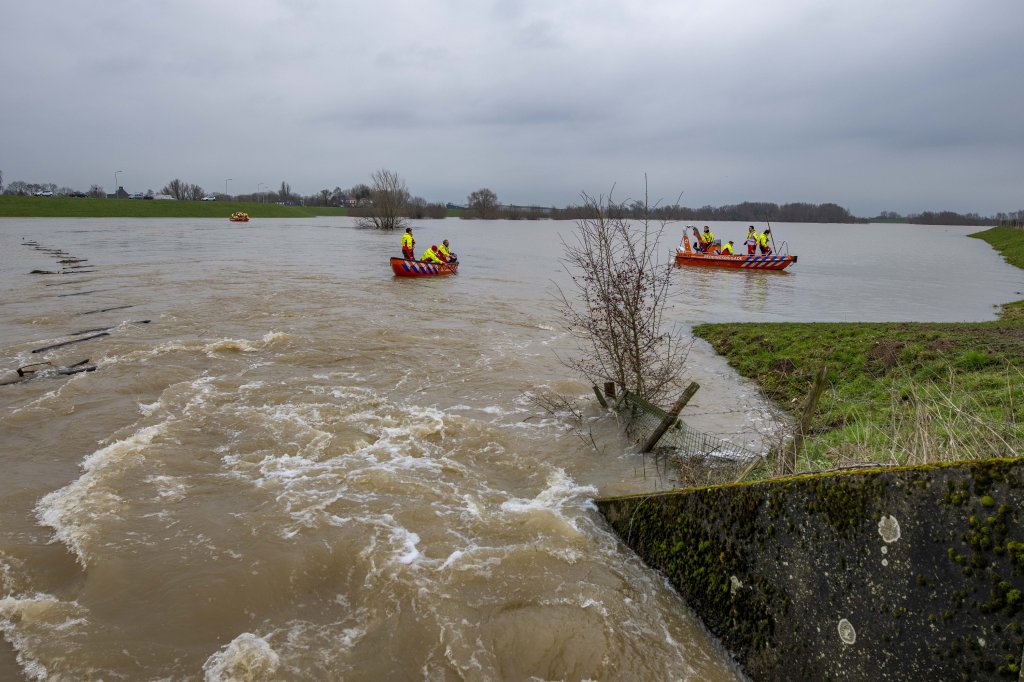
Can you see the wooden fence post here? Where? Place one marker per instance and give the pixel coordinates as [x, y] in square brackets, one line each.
[600, 398]
[670, 418]
[805, 420]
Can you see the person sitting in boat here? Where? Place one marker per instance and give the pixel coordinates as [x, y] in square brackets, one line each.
[407, 244]
[727, 249]
[762, 241]
[432, 255]
[751, 241]
[446, 253]
[706, 239]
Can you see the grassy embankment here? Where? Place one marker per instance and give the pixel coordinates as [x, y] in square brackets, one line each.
[79, 207]
[898, 393]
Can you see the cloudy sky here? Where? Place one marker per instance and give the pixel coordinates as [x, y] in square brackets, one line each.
[903, 105]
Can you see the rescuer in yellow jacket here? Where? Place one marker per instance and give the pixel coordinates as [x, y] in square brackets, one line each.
[431, 255]
[446, 253]
[706, 239]
[407, 245]
[762, 241]
[727, 249]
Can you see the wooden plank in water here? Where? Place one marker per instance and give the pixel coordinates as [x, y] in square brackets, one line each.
[68, 343]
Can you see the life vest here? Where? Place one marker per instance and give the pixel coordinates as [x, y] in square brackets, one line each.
[707, 237]
[429, 256]
[445, 252]
[751, 239]
[727, 249]
[407, 241]
[762, 239]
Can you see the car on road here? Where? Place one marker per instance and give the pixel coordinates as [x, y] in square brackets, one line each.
[76, 193]
[209, 198]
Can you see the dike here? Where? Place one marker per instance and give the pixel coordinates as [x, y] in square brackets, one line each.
[903, 573]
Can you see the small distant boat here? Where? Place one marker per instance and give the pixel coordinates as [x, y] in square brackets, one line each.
[417, 268]
[239, 217]
[687, 256]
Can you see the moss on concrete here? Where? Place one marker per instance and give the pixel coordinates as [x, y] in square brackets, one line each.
[904, 573]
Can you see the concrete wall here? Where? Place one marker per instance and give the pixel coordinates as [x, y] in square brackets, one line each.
[882, 574]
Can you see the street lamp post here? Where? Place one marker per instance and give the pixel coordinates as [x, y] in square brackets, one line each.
[226, 187]
[115, 182]
[259, 192]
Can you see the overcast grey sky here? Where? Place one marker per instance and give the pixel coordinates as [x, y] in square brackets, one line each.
[904, 105]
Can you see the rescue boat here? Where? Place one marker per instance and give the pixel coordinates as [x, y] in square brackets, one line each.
[239, 217]
[685, 255]
[417, 268]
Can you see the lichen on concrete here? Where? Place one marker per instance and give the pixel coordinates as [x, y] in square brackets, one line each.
[880, 574]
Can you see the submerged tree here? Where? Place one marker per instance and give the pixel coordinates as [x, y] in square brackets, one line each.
[483, 203]
[616, 305]
[389, 199]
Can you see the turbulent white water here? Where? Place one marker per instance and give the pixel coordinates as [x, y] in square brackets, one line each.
[304, 468]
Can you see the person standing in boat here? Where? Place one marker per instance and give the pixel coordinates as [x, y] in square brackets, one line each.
[727, 249]
[407, 245]
[446, 252]
[762, 241]
[751, 241]
[431, 255]
[706, 239]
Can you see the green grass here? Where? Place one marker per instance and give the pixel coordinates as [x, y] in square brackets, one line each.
[86, 207]
[895, 389]
[1006, 240]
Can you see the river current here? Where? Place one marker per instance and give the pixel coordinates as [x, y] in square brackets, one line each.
[291, 465]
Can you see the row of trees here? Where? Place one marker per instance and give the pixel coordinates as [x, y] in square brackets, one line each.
[746, 211]
[951, 218]
[387, 198]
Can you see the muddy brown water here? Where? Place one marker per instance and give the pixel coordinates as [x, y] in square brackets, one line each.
[305, 468]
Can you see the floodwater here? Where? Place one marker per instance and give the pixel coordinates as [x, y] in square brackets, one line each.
[304, 468]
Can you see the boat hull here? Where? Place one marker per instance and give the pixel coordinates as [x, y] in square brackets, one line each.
[415, 268]
[737, 261]
[239, 220]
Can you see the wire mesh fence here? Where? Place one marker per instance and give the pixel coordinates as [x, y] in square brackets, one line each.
[683, 454]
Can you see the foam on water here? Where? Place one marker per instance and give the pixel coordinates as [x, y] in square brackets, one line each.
[247, 658]
[75, 511]
[31, 622]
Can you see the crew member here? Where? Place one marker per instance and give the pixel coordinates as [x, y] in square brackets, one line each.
[431, 255]
[727, 249]
[407, 245]
[751, 241]
[762, 241]
[446, 252]
[706, 239]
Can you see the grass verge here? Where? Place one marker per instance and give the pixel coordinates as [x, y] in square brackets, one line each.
[898, 393]
[86, 207]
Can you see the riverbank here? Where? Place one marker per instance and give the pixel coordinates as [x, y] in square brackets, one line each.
[897, 393]
[88, 207]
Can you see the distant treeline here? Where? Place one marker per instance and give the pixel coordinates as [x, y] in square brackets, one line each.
[748, 211]
[754, 211]
[950, 218]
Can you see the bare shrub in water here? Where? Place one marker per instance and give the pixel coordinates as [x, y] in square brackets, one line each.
[389, 199]
[615, 307]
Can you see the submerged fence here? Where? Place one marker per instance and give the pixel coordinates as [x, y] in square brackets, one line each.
[641, 419]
